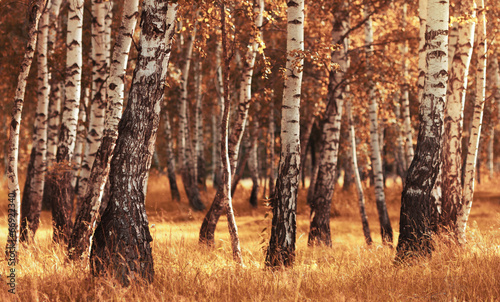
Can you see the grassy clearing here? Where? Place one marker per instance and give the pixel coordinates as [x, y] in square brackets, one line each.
[349, 271]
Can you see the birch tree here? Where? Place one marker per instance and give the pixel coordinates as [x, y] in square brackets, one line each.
[121, 246]
[416, 200]
[477, 119]
[87, 216]
[80, 141]
[453, 116]
[406, 98]
[35, 10]
[281, 249]
[174, 190]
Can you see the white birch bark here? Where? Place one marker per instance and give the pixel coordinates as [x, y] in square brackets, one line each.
[199, 160]
[408, 133]
[422, 15]
[281, 250]
[477, 118]
[271, 149]
[87, 216]
[97, 112]
[453, 117]
[218, 113]
[35, 10]
[80, 141]
[385, 223]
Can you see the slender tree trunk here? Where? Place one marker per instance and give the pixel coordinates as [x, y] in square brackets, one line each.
[98, 98]
[408, 134]
[304, 142]
[416, 200]
[253, 164]
[121, 246]
[453, 119]
[377, 167]
[174, 190]
[33, 188]
[218, 113]
[35, 10]
[60, 179]
[211, 218]
[238, 174]
[400, 151]
[281, 249]
[80, 142]
[319, 232]
[88, 214]
[477, 118]
[199, 146]
[272, 142]
[359, 186]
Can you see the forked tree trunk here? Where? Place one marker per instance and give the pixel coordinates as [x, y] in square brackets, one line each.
[174, 190]
[121, 246]
[88, 215]
[377, 167]
[238, 128]
[453, 119]
[33, 187]
[477, 118]
[281, 249]
[60, 179]
[319, 231]
[35, 10]
[416, 200]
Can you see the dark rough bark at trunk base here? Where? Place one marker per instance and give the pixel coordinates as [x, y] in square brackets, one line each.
[174, 190]
[202, 173]
[192, 192]
[385, 224]
[319, 232]
[59, 190]
[255, 192]
[30, 209]
[207, 230]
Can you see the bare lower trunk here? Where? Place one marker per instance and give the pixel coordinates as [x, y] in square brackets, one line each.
[121, 247]
[174, 190]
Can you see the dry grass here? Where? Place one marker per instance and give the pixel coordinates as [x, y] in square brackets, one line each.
[349, 271]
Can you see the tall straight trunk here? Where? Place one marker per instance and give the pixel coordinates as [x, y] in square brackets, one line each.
[416, 200]
[88, 214]
[253, 163]
[422, 51]
[53, 123]
[400, 153]
[304, 141]
[493, 80]
[281, 249]
[319, 231]
[405, 101]
[214, 148]
[477, 118]
[80, 141]
[174, 190]
[35, 10]
[491, 155]
[238, 128]
[272, 142]
[59, 186]
[357, 178]
[98, 97]
[188, 164]
[121, 247]
[454, 34]
[198, 119]
[453, 119]
[218, 113]
[377, 168]
[33, 187]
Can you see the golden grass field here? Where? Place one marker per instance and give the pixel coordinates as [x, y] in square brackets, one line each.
[350, 271]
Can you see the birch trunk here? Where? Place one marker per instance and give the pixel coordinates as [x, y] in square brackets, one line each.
[53, 123]
[416, 200]
[174, 190]
[60, 179]
[218, 113]
[422, 51]
[188, 165]
[385, 223]
[272, 142]
[408, 134]
[357, 178]
[199, 146]
[400, 153]
[211, 218]
[122, 239]
[88, 214]
[281, 250]
[477, 118]
[253, 164]
[80, 142]
[453, 118]
[33, 188]
[35, 10]
[319, 232]
[98, 97]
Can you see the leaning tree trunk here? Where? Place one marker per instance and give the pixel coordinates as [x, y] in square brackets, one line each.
[416, 200]
[319, 231]
[477, 118]
[281, 249]
[59, 181]
[35, 10]
[188, 164]
[207, 229]
[377, 167]
[98, 96]
[174, 190]
[33, 187]
[453, 119]
[121, 247]
[88, 214]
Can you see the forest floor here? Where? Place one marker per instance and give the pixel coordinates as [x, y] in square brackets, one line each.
[349, 271]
